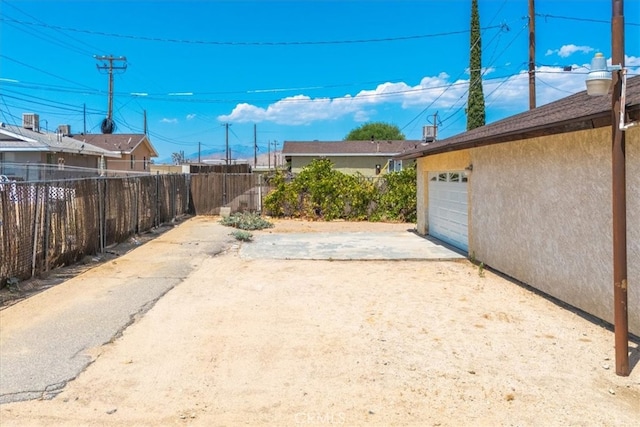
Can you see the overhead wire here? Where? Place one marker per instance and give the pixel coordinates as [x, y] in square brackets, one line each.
[485, 70]
[572, 18]
[375, 40]
[55, 41]
[238, 43]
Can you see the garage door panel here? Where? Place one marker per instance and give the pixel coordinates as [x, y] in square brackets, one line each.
[447, 210]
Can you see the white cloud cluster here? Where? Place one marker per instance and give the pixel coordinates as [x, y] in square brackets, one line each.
[302, 109]
[568, 50]
[166, 120]
[509, 94]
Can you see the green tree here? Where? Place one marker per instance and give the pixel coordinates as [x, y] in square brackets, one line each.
[475, 103]
[375, 130]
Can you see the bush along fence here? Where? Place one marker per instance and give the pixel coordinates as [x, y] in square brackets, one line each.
[321, 192]
[44, 225]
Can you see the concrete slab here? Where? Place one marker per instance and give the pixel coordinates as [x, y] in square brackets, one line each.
[395, 245]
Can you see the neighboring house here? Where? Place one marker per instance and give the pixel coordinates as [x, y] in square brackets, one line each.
[29, 154]
[530, 196]
[135, 151]
[370, 158]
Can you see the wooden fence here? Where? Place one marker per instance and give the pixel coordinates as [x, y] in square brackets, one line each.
[44, 225]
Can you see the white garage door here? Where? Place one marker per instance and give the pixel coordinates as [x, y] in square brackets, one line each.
[448, 215]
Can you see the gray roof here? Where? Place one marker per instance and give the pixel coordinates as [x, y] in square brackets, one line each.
[117, 142]
[346, 148]
[17, 138]
[576, 112]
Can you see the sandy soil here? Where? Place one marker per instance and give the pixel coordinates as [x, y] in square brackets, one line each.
[286, 343]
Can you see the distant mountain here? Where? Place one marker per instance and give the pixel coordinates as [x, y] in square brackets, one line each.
[242, 154]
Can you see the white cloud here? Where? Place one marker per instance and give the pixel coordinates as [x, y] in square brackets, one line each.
[302, 109]
[165, 120]
[631, 61]
[436, 93]
[191, 116]
[568, 50]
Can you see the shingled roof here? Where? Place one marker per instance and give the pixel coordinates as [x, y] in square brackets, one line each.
[573, 113]
[347, 148]
[17, 138]
[121, 142]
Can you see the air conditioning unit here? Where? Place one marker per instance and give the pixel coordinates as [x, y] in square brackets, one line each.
[64, 130]
[429, 133]
[31, 121]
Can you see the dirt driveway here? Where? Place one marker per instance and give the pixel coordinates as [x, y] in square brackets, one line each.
[298, 342]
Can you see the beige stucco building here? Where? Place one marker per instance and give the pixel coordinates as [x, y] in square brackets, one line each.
[135, 151]
[531, 196]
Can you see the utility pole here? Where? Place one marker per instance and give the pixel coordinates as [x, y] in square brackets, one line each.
[144, 124]
[199, 152]
[275, 150]
[108, 125]
[84, 119]
[255, 147]
[226, 151]
[619, 206]
[269, 154]
[532, 55]
[435, 126]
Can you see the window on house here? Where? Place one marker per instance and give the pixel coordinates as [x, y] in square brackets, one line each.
[144, 163]
[133, 161]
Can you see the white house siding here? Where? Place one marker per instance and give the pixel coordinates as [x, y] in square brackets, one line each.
[541, 213]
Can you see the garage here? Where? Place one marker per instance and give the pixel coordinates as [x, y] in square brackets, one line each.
[447, 208]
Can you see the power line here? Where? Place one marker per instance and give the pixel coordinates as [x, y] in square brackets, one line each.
[570, 18]
[55, 41]
[45, 72]
[238, 43]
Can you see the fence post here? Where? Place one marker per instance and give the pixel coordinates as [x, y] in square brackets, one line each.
[187, 185]
[136, 190]
[47, 228]
[34, 248]
[173, 195]
[157, 221]
[101, 220]
[260, 194]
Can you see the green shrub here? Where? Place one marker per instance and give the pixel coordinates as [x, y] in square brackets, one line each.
[242, 235]
[320, 192]
[246, 221]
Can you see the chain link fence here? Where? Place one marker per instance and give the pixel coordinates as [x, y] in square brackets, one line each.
[44, 225]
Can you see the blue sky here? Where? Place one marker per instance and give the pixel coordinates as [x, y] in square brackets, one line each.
[297, 70]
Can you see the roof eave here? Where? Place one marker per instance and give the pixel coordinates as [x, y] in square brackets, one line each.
[593, 121]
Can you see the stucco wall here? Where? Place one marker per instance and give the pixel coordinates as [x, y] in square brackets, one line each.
[141, 161]
[454, 161]
[347, 164]
[541, 213]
